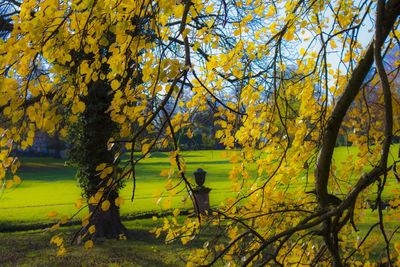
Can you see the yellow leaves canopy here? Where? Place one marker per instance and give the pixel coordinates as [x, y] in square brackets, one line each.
[267, 70]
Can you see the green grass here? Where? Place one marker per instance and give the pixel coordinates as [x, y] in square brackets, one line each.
[32, 248]
[48, 185]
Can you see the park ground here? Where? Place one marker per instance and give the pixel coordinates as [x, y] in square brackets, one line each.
[49, 185]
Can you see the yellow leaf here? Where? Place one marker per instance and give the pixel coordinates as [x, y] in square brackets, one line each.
[333, 44]
[249, 17]
[85, 222]
[210, 9]
[176, 212]
[84, 67]
[52, 214]
[64, 219]
[7, 162]
[105, 205]
[73, 118]
[115, 84]
[9, 184]
[63, 133]
[122, 237]
[164, 173]
[189, 134]
[166, 203]
[54, 227]
[101, 166]
[219, 134]
[60, 241]
[185, 240]
[79, 203]
[119, 201]
[145, 148]
[61, 251]
[88, 244]
[81, 106]
[16, 179]
[93, 201]
[15, 165]
[271, 11]
[234, 158]
[169, 184]
[92, 229]
[57, 240]
[108, 170]
[54, 239]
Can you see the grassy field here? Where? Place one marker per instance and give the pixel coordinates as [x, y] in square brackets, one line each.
[32, 248]
[49, 185]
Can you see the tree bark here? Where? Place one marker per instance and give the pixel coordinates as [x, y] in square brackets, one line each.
[351, 90]
[97, 130]
[392, 11]
[108, 223]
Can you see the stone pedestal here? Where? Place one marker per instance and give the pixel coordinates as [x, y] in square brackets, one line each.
[201, 194]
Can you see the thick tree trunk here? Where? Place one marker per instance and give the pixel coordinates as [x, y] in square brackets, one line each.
[108, 223]
[97, 129]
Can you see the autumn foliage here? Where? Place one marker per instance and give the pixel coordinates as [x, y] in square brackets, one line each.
[285, 80]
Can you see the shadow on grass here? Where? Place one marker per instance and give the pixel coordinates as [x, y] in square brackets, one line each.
[32, 248]
[158, 163]
[47, 174]
[160, 155]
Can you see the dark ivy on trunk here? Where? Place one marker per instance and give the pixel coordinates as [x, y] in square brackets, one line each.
[92, 132]
[89, 149]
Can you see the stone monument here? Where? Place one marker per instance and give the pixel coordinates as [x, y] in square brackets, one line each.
[201, 192]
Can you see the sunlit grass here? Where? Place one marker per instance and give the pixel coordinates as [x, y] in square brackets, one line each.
[49, 185]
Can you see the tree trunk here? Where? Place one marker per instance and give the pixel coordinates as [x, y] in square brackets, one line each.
[108, 223]
[91, 149]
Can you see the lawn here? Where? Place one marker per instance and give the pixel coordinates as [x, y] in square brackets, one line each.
[32, 248]
[49, 185]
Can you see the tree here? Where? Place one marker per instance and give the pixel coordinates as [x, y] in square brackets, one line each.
[89, 138]
[286, 123]
[90, 148]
